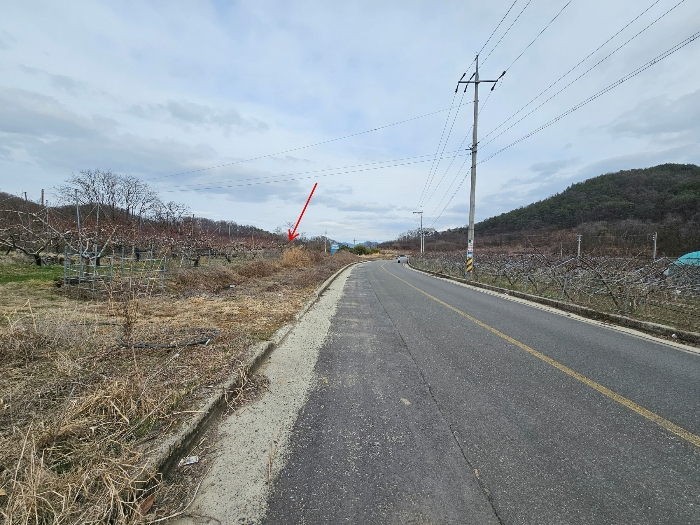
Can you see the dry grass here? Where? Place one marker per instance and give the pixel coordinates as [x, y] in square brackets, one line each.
[88, 384]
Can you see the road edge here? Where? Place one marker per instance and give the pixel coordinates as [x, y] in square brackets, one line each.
[167, 455]
[627, 322]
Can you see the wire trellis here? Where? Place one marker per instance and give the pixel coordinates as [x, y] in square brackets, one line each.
[143, 273]
[659, 291]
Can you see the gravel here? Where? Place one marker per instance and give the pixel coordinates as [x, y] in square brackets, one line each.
[253, 442]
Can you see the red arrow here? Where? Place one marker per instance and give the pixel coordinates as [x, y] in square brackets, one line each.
[292, 233]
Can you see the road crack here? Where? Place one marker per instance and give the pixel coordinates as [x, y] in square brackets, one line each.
[482, 486]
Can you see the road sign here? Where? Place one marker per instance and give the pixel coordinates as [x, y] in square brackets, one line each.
[470, 264]
[334, 247]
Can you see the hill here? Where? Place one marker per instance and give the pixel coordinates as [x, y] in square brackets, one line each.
[662, 193]
[615, 213]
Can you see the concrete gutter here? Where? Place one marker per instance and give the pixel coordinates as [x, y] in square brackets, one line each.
[621, 320]
[172, 447]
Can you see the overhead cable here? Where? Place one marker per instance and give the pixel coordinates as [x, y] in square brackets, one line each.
[538, 35]
[444, 145]
[287, 178]
[577, 65]
[612, 86]
[303, 147]
[499, 25]
[504, 34]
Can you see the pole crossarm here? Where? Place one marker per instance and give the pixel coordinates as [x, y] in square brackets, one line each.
[477, 81]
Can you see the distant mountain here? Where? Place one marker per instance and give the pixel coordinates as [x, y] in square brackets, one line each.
[662, 193]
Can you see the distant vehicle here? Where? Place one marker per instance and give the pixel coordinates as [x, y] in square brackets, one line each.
[402, 259]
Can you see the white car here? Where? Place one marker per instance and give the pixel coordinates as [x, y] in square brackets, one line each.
[402, 259]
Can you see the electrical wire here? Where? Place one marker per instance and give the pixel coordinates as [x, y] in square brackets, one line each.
[194, 186]
[427, 180]
[444, 145]
[507, 30]
[303, 147]
[294, 178]
[452, 161]
[539, 34]
[612, 86]
[577, 65]
[499, 25]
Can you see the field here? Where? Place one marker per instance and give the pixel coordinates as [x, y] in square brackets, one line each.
[91, 381]
[636, 287]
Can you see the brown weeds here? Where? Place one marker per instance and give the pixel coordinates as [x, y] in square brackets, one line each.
[87, 385]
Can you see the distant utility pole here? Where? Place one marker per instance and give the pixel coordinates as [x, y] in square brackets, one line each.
[578, 254]
[654, 252]
[472, 194]
[422, 243]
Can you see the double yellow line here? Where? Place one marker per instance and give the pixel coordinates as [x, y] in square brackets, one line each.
[651, 416]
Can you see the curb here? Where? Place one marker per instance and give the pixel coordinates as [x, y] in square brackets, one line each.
[167, 454]
[583, 311]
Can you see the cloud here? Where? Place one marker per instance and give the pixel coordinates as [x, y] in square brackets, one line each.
[330, 201]
[67, 84]
[661, 118]
[5, 40]
[27, 113]
[545, 169]
[192, 114]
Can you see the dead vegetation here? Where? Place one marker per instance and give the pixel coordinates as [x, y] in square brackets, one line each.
[88, 385]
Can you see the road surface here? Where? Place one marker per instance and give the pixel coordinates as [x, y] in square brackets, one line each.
[437, 403]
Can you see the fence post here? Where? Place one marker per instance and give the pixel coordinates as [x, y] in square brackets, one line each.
[563, 288]
[65, 265]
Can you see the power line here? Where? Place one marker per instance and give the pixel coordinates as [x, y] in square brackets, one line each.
[289, 179]
[304, 147]
[577, 65]
[452, 161]
[444, 145]
[425, 186]
[612, 86]
[499, 25]
[428, 180]
[538, 35]
[634, 73]
[504, 34]
[195, 186]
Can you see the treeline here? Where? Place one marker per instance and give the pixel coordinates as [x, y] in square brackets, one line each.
[616, 214]
[100, 211]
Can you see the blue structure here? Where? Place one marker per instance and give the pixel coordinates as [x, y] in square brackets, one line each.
[684, 262]
[334, 247]
[689, 259]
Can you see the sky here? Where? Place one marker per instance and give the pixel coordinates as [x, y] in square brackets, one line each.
[236, 109]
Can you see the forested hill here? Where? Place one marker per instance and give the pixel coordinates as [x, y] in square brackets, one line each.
[662, 194]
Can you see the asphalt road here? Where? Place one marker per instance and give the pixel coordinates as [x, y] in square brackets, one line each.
[437, 403]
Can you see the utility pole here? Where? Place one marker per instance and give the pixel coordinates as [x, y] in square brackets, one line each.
[654, 252]
[578, 254]
[472, 194]
[422, 244]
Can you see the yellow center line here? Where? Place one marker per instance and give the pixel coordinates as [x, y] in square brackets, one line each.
[651, 416]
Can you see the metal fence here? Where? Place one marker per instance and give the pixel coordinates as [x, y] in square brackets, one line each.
[657, 291]
[143, 273]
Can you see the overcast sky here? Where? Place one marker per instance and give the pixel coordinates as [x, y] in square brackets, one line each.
[155, 89]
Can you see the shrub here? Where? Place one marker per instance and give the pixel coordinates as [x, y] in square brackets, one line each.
[257, 269]
[297, 257]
